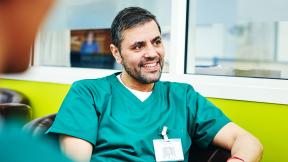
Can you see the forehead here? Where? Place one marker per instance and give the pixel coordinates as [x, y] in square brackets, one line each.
[142, 32]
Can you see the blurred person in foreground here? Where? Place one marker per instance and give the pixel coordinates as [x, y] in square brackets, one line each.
[132, 116]
[19, 22]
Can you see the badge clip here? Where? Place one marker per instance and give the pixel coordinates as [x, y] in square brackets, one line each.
[164, 133]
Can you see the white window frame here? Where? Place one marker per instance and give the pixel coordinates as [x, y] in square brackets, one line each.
[225, 87]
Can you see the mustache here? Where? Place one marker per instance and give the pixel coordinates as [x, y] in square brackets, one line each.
[150, 59]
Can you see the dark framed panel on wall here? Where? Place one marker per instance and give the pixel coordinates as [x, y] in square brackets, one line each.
[90, 48]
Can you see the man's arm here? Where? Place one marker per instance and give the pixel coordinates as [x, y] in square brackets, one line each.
[241, 143]
[77, 149]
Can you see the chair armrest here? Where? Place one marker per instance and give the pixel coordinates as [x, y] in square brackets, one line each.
[212, 154]
[12, 96]
[15, 112]
[39, 126]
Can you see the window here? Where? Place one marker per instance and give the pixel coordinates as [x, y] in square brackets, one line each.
[53, 44]
[239, 38]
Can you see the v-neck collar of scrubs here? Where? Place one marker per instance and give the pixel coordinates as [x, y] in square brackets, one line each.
[123, 90]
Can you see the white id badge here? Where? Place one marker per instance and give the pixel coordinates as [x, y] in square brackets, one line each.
[168, 150]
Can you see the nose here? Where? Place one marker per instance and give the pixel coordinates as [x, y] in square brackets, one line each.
[151, 51]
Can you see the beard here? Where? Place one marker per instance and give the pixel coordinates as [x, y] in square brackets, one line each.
[142, 76]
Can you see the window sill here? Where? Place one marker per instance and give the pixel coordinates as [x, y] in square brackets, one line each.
[235, 88]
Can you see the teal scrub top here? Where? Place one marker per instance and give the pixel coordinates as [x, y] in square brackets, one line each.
[19, 146]
[122, 128]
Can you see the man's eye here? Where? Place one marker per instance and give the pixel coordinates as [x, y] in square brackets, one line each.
[138, 46]
[157, 42]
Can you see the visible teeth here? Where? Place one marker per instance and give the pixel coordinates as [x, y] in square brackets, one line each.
[150, 65]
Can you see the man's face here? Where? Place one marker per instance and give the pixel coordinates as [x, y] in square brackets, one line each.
[142, 52]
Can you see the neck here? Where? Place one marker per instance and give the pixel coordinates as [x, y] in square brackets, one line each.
[134, 84]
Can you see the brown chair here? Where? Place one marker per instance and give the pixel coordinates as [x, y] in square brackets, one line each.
[14, 107]
[212, 154]
[39, 126]
[12, 96]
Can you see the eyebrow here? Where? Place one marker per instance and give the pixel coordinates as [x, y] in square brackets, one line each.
[156, 38]
[143, 42]
[138, 43]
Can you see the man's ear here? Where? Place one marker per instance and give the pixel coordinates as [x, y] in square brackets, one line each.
[116, 53]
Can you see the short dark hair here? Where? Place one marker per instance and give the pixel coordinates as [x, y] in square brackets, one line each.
[129, 18]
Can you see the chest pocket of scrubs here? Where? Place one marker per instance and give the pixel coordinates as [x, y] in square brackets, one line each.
[183, 135]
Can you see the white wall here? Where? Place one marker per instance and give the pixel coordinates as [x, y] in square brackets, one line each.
[87, 14]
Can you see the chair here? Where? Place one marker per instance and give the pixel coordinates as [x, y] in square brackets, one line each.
[39, 126]
[12, 96]
[14, 107]
[212, 154]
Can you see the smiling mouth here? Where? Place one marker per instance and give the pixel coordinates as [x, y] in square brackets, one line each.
[151, 67]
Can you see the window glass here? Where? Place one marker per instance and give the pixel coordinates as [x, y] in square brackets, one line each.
[71, 23]
[239, 38]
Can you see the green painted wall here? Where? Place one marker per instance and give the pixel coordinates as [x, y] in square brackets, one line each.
[45, 98]
[269, 122]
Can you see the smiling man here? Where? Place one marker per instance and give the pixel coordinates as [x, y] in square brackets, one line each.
[142, 55]
[132, 116]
